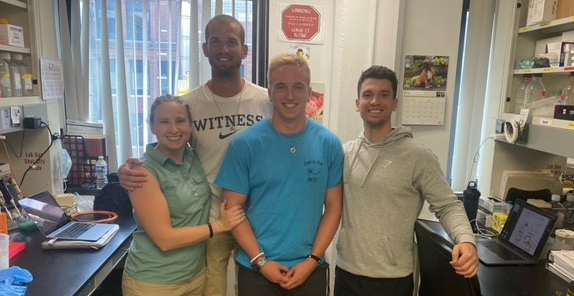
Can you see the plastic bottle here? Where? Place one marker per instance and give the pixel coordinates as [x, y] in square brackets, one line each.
[15, 78]
[559, 209]
[470, 201]
[567, 96]
[25, 75]
[5, 83]
[535, 90]
[101, 173]
[521, 100]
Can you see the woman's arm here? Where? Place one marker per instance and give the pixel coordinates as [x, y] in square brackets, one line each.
[152, 210]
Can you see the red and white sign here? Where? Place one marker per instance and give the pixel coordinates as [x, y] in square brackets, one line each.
[301, 23]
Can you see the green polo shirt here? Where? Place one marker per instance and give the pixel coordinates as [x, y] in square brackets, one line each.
[188, 196]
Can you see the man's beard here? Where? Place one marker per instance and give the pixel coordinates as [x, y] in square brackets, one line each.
[225, 71]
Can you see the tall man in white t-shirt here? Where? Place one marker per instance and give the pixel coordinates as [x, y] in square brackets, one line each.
[220, 109]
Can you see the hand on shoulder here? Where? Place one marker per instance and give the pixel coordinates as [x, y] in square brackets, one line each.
[131, 174]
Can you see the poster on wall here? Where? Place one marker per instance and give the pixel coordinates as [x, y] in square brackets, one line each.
[424, 90]
[303, 50]
[314, 108]
[301, 23]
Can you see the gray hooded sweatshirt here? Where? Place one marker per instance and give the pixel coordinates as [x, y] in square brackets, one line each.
[386, 183]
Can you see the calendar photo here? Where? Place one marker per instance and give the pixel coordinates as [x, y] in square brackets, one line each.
[426, 73]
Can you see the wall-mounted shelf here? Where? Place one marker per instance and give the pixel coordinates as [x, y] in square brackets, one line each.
[555, 26]
[14, 101]
[549, 135]
[15, 3]
[551, 70]
[16, 49]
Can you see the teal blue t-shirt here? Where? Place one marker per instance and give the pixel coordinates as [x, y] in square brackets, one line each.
[188, 196]
[286, 191]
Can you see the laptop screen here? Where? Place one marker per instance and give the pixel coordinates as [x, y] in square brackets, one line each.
[48, 217]
[528, 227]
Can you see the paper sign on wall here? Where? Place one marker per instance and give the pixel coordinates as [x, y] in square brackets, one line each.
[52, 78]
[301, 23]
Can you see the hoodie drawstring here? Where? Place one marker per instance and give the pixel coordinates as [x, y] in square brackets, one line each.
[372, 164]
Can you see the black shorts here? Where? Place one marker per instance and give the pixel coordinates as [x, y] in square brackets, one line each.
[253, 283]
[348, 284]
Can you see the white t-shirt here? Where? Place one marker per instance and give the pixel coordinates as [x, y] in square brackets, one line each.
[216, 120]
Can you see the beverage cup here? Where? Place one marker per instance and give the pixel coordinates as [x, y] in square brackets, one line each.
[565, 237]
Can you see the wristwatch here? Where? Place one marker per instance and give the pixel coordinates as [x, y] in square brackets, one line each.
[259, 263]
[316, 258]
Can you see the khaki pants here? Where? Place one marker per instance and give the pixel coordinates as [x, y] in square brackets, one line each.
[192, 287]
[219, 249]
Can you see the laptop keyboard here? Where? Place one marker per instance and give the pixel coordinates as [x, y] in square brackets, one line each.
[500, 250]
[75, 230]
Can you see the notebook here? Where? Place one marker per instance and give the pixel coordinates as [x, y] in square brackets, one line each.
[55, 223]
[522, 238]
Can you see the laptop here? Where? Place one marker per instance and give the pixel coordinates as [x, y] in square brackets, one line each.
[54, 223]
[522, 238]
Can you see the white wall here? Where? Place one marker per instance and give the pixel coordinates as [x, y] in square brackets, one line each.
[47, 48]
[365, 35]
[433, 28]
[359, 34]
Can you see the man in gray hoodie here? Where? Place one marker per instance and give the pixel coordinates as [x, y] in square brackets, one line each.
[387, 177]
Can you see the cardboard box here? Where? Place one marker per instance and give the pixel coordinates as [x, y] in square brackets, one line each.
[11, 35]
[540, 47]
[491, 204]
[541, 11]
[564, 9]
[565, 55]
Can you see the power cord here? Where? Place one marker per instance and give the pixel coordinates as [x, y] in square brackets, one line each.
[33, 166]
[484, 233]
[476, 156]
[18, 155]
[110, 216]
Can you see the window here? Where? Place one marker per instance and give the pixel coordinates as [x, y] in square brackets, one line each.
[157, 47]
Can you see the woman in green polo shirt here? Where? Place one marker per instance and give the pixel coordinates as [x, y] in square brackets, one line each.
[167, 254]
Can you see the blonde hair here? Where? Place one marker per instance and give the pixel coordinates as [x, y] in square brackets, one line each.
[288, 59]
[163, 99]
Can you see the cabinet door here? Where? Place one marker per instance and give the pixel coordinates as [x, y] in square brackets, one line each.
[20, 14]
